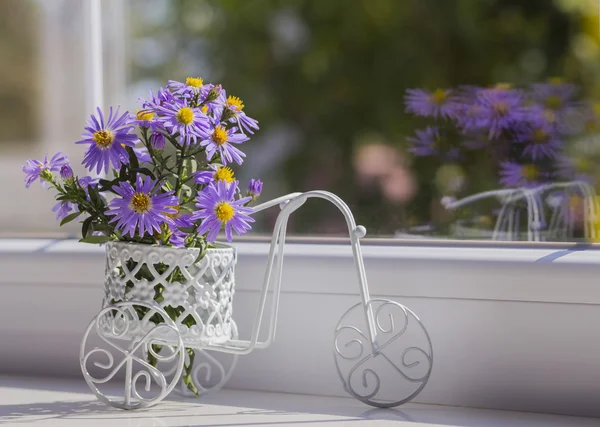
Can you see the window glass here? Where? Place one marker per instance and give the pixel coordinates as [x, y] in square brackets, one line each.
[460, 119]
[466, 119]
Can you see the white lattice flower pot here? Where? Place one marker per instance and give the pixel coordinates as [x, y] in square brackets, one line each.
[196, 293]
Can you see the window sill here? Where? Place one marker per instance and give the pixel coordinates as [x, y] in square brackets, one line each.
[512, 328]
[32, 402]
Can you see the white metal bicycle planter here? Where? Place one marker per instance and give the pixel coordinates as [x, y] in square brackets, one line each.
[531, 201]
[379, 345]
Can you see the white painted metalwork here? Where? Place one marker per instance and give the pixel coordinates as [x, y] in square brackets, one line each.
[530, 203]
[204, 288]
[401, 362]
[119, 324]
[206, 295]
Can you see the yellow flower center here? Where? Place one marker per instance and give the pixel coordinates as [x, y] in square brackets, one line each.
[553, 102]
[503, 86]
[103, 138]
[204, 109]
[196, 82]
[224, 211]
[550, 116]
[583, 165]
[173, 215]
[144, 115]
[575, 201]
[501, 108]
[219, 135]
[529, 172]
[224, 173]
[438, 96]
[185, 116]
[140, 203]
[540, 135]
[556, 80]
[235, 103]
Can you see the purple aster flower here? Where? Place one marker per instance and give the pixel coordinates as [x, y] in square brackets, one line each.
[541, 138]
[189, 122]
[216, 173]
[191, 87]
[429, 142]
[469, 113]
[107, 141]
[571, 169]
[163, 96]
[158, 140]
[255, 188]
[141, 207]
[554, 95]
[178, 237]
[66, 172]
[217, 208]
[146, 118]
[142, 154]
[441, 103]
[34, 169]
[500, 110]
[520, 175]
[557, 100]
[86, 181]
[221, 140]
[229, 108]
[62, 209]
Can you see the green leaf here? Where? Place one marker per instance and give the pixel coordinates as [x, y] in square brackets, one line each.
[191, 166]
[86, 226]
[187, 230]
[133, 160]
[123, 171]
[186, 191]
[105, 228]
[145, 171]
[70, 218]
[94, 195]
[95, 239]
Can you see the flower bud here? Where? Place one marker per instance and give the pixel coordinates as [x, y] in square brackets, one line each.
[227, 114]
[213, 94]
[46, 175]
[66, 172]
[255, 188]
[157, 140]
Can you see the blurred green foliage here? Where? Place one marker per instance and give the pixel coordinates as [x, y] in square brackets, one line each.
[20, 81]
[336, 71]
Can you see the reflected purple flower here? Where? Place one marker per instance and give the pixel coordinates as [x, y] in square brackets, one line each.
[574, 169]
[541, 139]
[429, 142]
[441, 103]
[516, 175]
[499, 110]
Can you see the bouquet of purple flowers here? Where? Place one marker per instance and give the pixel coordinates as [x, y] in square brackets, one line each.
[524, 130]
[166, 170]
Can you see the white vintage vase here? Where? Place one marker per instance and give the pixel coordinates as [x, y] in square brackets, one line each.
[203, 289]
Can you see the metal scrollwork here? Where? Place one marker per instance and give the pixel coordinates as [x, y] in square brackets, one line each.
[399, 361]
[210, 371]
[128, 340]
